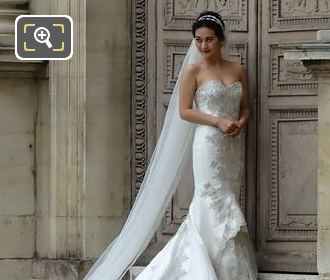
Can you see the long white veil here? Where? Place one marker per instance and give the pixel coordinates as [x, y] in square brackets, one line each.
[166, 168]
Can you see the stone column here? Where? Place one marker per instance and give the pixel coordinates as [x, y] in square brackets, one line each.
[66, 200]
[67, 166]
[322, 70]
[317, 58]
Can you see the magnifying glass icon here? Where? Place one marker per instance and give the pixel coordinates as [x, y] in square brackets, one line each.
[41, 35]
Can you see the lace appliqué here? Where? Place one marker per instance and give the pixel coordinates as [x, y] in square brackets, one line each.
[230, 222]
[227, 161]
[216, 99]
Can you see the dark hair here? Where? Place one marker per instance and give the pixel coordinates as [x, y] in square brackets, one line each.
[218, 28]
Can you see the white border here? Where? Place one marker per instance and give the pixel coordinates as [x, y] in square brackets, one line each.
[24, 16]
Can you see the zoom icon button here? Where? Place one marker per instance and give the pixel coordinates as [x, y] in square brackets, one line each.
[43, 37]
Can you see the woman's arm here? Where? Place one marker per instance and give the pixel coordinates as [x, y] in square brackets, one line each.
[188, 87]
[244, 113]
[245, 107]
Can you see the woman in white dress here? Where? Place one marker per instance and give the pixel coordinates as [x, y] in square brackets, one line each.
[212, 243]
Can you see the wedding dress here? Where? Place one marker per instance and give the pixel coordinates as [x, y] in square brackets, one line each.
[212, 243]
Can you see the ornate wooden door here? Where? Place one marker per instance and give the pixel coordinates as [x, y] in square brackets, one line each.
[278, 195]
[287, 137]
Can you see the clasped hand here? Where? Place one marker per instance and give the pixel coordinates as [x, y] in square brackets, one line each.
[230, 128]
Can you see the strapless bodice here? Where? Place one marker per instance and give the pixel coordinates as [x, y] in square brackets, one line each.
[214, 98]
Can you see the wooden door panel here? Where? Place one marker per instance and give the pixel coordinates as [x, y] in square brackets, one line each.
[287, 137]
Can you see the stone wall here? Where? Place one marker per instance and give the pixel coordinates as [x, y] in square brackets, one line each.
[107, 121]
[65, 142]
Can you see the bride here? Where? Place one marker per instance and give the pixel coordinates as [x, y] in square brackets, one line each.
[207, 112]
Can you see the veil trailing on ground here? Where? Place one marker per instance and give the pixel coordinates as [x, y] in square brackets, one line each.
[167, 166]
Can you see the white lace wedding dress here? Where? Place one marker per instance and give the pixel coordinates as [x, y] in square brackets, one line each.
[212, 243]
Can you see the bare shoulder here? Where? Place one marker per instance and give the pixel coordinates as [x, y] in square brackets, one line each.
[189, 76]
[192, 70]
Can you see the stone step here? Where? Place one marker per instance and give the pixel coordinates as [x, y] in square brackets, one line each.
[135, 270]
[279, 276]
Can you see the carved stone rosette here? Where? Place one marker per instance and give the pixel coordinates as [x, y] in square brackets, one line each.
[140, 97]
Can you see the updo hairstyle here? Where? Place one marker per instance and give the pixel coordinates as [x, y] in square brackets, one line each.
[211, 20]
